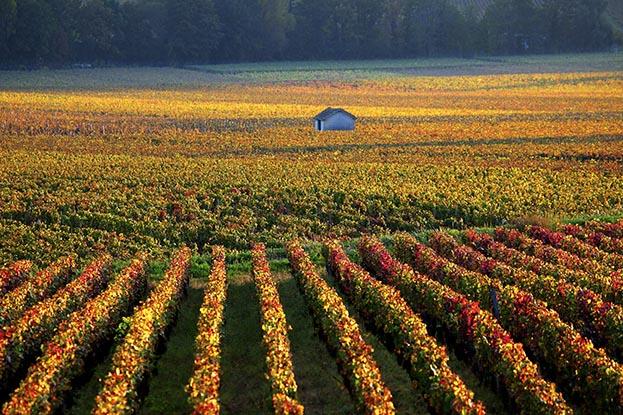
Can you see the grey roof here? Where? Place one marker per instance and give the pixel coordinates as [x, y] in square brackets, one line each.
[329, 112]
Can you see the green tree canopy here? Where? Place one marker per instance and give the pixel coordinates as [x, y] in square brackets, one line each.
[193, 30]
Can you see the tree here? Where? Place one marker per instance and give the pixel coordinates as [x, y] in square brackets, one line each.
[305, 41]
[98, 25]
[511, 27]
[277, 22]
[368, 28]
[32, 39]
[575, 25]
[193, 30]
[471, 42]
[434, 27]
[65, 36]
[240, 20]
[8, 12]
[339, 31]
[392, 26]
[50, 32]
[144, 31]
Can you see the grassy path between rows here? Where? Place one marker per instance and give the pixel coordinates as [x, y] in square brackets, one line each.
[175, 365]
[321, 388]
[244, 388]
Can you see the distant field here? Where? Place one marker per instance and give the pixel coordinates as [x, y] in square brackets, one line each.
[271, 72]
[506, 64]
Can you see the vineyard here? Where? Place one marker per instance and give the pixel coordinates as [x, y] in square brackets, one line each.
[227, 157]
[181, 240]
[502, 321]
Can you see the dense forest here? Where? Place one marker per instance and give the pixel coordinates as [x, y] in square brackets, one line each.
[60, 32]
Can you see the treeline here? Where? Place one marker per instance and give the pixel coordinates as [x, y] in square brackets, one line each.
[198, 31]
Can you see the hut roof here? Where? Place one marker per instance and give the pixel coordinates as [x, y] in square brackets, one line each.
[329, 112]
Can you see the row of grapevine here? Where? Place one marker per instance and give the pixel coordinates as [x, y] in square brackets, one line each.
[13, 275]
[133, 358]
[586, 310]
[22, 339]
[610, 288]
[518, 240]
[35, 289]
[580, 367]
[575, 246]
[353, 354]
[65, 356]
[275, 337]
[597, 239]
[493, 348]
[203, 387]
[613, 230]
[427, 362]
